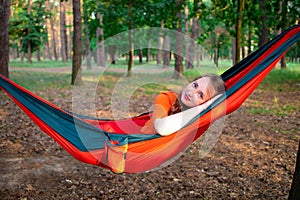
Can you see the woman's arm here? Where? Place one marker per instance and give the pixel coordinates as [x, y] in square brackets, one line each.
[162, 105]
[170, 124]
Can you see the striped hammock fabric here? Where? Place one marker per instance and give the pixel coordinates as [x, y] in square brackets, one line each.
[102, 142]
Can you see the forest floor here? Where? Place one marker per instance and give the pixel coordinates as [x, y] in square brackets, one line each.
[254, 157]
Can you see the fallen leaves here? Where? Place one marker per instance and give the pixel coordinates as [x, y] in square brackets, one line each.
[253, 159]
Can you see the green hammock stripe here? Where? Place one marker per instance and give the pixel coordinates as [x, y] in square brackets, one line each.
[82, 135]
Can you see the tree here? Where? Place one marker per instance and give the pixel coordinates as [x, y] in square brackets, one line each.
[178, 46]
[4, 38]
[27, 26]
[131, 48]
[100, 56]
[238, 30]
[263, 37]
[87, 43]
[63, 31]
[29, 42]
[77, 46]
[195, 33]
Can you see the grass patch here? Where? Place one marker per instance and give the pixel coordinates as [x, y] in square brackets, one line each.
[277, 80]
[280, 111]
[42, 64]
[283, 79]
[38, 81]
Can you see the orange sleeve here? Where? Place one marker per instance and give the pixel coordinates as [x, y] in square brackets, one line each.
[162, 105]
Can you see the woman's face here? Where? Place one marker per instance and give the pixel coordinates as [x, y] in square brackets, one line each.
[196, 92]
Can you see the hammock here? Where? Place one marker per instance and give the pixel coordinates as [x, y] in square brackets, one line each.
[102, 142]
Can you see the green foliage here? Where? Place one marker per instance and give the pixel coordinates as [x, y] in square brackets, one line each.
[216, 18]
[29, 26]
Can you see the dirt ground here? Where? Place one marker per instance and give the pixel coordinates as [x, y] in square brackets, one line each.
[253, 159]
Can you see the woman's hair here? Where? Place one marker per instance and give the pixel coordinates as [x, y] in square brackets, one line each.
[216, 86]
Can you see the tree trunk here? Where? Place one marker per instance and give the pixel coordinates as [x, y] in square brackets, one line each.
[21, 52]
[187, 34]
[63, 31]
[295, 188]
[178, 46]
[249, 38]
[199, 56]
[263, 37]
[283, 62]
[148, 59]
[160, 45]
[4, 37]
[28, 33]
[100, 45]
[69, 30]
[167, 49]
[15, 52]
[130, 53]
[87, 48]
[38, 54]
[47, 51]
[233, 50]
[216, 48]
[148, 55]
[283, 21]
[243, 52]
[113, 54]
[53, 36]
[76, 63]
[191, 47]
[140, 56]
[238, 30]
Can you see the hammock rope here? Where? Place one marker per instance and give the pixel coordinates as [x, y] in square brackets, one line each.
[101, 142]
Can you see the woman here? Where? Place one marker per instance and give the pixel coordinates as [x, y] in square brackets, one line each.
[198, 94]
